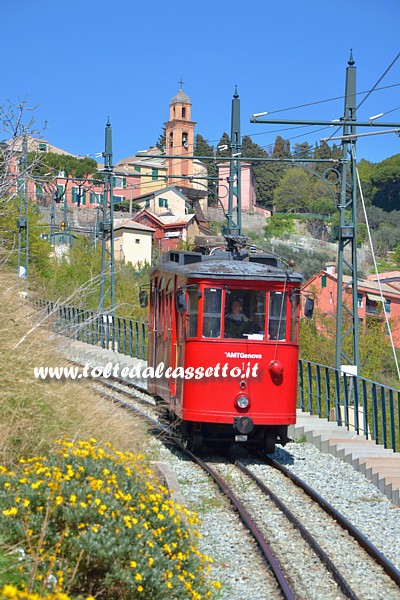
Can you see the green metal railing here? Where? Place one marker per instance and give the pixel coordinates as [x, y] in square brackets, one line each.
[366, 407]
[99, 329]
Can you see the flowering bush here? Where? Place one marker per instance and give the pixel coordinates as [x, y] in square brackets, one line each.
[10, 592]
[92, 520]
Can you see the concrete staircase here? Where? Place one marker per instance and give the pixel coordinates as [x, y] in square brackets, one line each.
[380, 465]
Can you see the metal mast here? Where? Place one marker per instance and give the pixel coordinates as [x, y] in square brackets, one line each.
[234, 214]
[22, 222]
[348, 231]
[106, 227]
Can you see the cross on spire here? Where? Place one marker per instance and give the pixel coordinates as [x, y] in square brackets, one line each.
[181, 82]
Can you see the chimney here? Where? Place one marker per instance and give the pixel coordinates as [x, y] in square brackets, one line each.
[331, 268]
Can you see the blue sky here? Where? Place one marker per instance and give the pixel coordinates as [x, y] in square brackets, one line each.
[80, 62]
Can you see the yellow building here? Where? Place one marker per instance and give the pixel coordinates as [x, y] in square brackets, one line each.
[133, 243]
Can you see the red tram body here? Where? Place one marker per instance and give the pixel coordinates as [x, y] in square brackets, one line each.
[223, 334]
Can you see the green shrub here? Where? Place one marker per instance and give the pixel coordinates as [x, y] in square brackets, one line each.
[92, 520]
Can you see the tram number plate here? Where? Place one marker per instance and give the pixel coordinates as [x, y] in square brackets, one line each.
[240, 438]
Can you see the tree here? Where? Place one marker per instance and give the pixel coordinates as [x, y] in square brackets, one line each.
[267, 174]
[385, 180]
[71, 166]
[39, 249]
[302, 150]
[277, 225]
[365, 170]
[161, 142]
[224, 146]
[17, 124]
[281, 148]
[293, 192]
[203, 148]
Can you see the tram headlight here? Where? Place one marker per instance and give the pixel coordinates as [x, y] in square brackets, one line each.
[242, 402]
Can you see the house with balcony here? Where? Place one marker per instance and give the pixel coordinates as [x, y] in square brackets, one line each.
[170, 230]
[168, 200]
[370, 301]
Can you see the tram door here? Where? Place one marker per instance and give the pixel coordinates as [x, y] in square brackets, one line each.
[177, 352]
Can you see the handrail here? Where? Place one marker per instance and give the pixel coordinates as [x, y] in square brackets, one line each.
[102, 329]
[367, 407]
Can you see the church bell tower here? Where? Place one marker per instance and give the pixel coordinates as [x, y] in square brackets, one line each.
[179, 134]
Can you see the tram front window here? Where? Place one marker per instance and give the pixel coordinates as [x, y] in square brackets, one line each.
[244, 314]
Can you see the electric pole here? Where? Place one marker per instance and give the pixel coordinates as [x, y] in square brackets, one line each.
[348, 232]
[234, 214]
[106, 227]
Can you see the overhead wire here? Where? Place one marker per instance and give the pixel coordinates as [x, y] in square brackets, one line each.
[370, 91]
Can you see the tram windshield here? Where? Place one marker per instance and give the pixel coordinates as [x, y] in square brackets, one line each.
[242, 314]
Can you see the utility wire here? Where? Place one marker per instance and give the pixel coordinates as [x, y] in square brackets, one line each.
[379, 80]
[370, 91]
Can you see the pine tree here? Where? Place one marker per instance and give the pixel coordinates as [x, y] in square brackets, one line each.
[161, 142]
[224, 145]
[302, 150]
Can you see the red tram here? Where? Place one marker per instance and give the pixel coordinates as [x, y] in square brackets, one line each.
[223, 340]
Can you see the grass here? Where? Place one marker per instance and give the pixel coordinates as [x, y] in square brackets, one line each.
[35, 412]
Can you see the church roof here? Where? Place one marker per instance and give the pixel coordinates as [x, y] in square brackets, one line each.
[181, 98]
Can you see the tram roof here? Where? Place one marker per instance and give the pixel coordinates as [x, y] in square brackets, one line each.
[209, 268]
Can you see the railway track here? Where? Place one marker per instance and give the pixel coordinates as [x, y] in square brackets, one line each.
[266, 515]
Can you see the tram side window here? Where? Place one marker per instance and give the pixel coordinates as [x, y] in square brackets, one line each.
[277, 316]
[191, 323]
[212, 313]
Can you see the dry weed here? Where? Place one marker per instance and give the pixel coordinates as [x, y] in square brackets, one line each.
[34, 413]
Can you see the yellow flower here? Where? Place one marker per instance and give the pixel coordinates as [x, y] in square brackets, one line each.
[138, 577]
[139, 588]
[133, 563]
[151, 561]
[216, 584]
[26, 503]
[11, 512]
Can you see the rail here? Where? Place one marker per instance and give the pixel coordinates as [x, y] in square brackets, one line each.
[362, 405]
